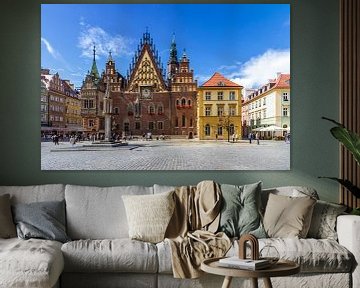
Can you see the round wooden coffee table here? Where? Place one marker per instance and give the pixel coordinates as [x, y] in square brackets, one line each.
[281, 268]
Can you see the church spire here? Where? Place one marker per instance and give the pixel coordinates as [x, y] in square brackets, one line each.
[110, 57]
[173, 51]
[94, 70]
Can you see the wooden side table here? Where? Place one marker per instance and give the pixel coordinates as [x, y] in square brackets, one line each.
[281, 268]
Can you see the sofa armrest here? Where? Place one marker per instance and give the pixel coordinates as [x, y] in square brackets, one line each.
[348, 230]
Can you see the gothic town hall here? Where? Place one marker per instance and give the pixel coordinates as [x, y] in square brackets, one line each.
[149, 99]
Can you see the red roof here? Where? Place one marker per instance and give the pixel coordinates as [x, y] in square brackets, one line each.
[283, 81]
[218, 80]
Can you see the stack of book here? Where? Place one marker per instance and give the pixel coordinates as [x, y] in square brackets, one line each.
[248, 264]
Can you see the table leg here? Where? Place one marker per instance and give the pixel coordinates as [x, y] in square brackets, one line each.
[227, 282]
[254, 282]
[267, 283]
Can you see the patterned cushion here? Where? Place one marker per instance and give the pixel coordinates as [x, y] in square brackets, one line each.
[323, 223]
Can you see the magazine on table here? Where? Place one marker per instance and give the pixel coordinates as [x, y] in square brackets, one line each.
[249, 264]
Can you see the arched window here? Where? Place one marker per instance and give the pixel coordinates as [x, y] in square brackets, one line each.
[151, 109]
[183, 102]
[177, 102]
[160, 109]
[189, 103]
[207, 130]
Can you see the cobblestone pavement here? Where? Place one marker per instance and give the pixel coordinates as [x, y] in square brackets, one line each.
[168, 155]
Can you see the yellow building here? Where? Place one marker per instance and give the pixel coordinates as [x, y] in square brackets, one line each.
[219, 109]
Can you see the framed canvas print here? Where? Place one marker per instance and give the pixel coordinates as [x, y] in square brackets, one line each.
[165, 87]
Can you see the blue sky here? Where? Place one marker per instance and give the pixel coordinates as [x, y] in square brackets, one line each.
[248, 43]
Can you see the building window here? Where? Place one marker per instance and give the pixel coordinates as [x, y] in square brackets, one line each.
[160, 125]
[189, 103]
[116, 110]
[220, 110]
[264, 113]
[285, 96]
[126, 127]
[207, 130]
[151, 109]
[191, 122]
[207, 111]
[160, 110]
[91, 123]
[285, 111]
[231, 129]
[264, 101]
[232, 111]
[137, 125]
[183, 121]
[232, 95]
[88, 103]
[176, 122]
[220, 95]
[220, 131]
[151, 125]
[208, 95]
[183, 102]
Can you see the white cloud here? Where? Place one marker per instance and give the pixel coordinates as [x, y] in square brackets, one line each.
[104, 42]
[258, 70]
[50, 49]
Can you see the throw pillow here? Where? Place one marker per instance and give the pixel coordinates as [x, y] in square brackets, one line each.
[7, 226]
[44, 220]
[240, 213]
[149, 215]
[323, 222]
[288, 217]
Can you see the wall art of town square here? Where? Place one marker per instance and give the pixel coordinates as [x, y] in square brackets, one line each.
[165, 87]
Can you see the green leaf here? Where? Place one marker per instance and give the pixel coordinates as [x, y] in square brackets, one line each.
[347, 184]
[349, 139]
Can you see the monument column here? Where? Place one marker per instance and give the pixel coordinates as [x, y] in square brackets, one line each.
[107, 111]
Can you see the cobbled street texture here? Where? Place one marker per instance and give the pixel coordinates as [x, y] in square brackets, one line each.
[168, 155]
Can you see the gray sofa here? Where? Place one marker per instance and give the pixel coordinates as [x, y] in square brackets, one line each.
[102, 255]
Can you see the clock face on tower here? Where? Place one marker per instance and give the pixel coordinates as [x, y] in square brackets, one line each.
[146, 92]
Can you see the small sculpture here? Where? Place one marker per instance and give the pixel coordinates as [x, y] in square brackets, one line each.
[254, 246]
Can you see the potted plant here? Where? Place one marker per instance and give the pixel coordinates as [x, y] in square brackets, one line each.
[351, 141]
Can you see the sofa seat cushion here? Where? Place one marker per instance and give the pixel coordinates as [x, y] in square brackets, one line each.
[313, 255]
[30, 263]
[110, 255]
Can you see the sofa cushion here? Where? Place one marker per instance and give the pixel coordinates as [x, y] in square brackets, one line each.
[30, 263]
[313, 255]
[34, 193]
[116, 255]
[43, 220]
[287, 216]
[240, 210]
[7, 226]
[323, 222]
[291, 191]
[98, 213]
[149, 215]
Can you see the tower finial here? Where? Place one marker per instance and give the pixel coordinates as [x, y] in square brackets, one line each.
[94, 50]
[110, 56]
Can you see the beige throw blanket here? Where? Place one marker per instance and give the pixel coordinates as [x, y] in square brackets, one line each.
[191, 231]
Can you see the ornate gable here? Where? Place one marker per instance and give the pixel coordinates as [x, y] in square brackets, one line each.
[146, 69]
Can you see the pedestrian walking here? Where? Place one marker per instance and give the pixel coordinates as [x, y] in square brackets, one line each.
[250, 137]
[257, 137]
